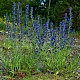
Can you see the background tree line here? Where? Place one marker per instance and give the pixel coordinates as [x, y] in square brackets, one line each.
[56, 11]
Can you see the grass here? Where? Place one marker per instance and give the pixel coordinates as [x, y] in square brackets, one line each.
[19, 56]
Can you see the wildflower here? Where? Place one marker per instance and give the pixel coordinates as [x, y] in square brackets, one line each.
[45, 25]
[45, 28]
[70, 13]
[64, 29]
[70, 18]
[14, 13]
[19, 15]
[66, 17]
[60, 28]
[51, 25]
[34, 24]
[31, 13]
[27, 9]
[41, 40]
[39, 20]
[53, 40]
[25, 22]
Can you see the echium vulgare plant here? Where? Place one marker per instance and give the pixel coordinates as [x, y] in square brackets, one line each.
[7, 23]
[31, 13]
[40, 33]
[8, 28]
[19, 15]
[11, 29]
[14, 16]
[43, 39]
[69, 30]
[62, 30]
[26, 16]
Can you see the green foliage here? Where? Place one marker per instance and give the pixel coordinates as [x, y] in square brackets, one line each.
[20, 56]
[55, 61]
[60, 7]
[73, 63]
[2, 24]
[57, 9]
[6, 6]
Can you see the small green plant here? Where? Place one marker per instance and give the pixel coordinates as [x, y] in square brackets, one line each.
[72, 63]
[21, 56]
[2, 24]
[55, 61]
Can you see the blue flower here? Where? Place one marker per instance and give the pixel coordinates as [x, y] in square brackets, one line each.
[31, 13]
[45, 25]
[53, 38]
[27, 5]
[70, 9]
[65, 16]
[36, 51]
[51, 24]
[18, 3]
[34, 24]
[27, 9]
